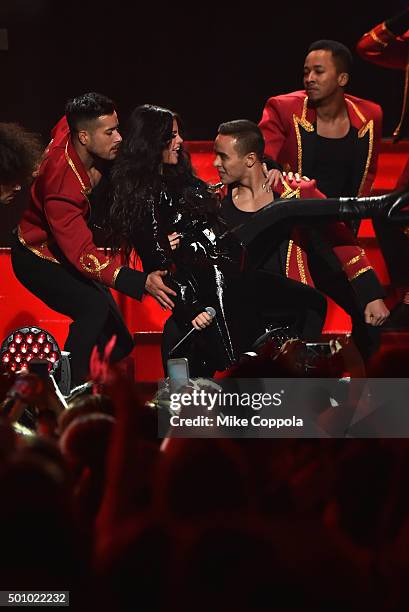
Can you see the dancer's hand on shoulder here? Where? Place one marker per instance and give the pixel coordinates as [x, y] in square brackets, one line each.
[273, 178]
[294, 176]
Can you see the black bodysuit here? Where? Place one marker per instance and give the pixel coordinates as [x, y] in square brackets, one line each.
[210, 268]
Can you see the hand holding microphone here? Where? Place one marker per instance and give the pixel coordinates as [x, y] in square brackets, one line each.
[204, 318]
[200, 322]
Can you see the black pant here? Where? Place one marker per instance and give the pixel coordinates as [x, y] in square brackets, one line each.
[394, 244]
[253, 299]
[336, 285]
[94, 313]
[258, 297]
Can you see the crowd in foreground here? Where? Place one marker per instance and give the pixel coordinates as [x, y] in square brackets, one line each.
[95, 503]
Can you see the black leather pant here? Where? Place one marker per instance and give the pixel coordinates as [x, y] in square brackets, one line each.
[252, 300]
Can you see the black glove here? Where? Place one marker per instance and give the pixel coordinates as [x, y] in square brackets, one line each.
[398, 24]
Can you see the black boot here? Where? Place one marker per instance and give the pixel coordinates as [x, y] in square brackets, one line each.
[256, 235]
[389, 207]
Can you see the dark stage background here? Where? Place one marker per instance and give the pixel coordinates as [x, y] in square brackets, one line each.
[209, 61]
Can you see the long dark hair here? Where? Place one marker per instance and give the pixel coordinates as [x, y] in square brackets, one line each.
[139, 174]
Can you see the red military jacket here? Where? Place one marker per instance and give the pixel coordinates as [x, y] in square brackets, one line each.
[289, 130]
[339, 236]
[54, 225]
[384, 48]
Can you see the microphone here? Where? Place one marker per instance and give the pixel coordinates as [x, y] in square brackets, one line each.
[210, 311]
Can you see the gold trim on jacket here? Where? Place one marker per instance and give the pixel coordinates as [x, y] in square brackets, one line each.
[287, 194]
[43, 245]
[361, 133]
[91, 264]
[405, 103]
[309, 127]
[361, 271]
[84, 189]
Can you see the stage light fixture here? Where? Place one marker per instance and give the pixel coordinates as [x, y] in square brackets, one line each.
[27, 343]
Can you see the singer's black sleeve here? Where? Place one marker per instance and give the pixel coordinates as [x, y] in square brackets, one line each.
[150, 239]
